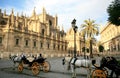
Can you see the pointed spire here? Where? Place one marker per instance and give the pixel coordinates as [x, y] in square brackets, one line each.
[25, 21]
[34, 12]
[12, 11]
[25, 15]
[56, 16]
[22, 14]
[44, 11]
[56, 20]
[17, 14]
[12, 17]
[62, 28]
[4, 12]
[0, 10]
[44, 14]
[8, 21]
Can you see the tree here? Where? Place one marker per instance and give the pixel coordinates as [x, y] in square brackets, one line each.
[101, 48]
[114, 12]
[90, 29]
[83, 49]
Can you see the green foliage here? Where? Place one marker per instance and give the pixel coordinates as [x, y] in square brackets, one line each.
[90, 29]
[87, 49]
[114, 12]
[83, 49]
[101, 48]
[119, 62]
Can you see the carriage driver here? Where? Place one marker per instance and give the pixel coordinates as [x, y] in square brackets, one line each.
[22, 55]
[40, 56]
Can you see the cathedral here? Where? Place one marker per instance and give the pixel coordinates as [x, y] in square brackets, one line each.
[38, 33]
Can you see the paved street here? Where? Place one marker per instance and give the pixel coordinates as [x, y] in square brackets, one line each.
[57, 70]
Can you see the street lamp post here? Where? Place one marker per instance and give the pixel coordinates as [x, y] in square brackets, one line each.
[75, 30]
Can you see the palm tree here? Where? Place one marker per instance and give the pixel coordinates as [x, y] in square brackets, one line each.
[83, 35]
[90, 29]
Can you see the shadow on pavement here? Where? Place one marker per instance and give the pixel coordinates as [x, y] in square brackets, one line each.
[11, 71]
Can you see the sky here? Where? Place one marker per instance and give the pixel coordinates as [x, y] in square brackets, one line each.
[66, 10]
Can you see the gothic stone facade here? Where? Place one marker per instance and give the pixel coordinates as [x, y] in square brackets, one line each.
[35, 34]
[70, 40]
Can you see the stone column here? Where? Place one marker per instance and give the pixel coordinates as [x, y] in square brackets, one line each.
[22, 43]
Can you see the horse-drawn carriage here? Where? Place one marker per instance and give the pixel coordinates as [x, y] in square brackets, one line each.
[106, 62]
[35, 64]
[100, 71]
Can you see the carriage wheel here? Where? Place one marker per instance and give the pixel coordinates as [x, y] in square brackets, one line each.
[20, 67]
[46, 66]
[35, 68]
[97, 73]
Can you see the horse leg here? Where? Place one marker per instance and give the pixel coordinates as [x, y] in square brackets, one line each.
[14, 65]
[117, 75]
[73, 71]
[68, 67]
[111, 74]
[88, 72]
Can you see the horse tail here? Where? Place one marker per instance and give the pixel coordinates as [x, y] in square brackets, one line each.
[63, 61]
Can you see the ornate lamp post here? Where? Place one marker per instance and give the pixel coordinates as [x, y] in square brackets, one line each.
[75, 30]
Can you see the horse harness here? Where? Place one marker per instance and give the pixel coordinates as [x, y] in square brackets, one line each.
[73, 60]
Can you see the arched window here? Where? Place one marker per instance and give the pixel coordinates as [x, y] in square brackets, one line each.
[41, 45]
[26, 42]
[43, 31]
[50, 22]
[48, 45]
[58, 47]
[17, 42]
[34, 43]
[3, 22]
[20, 26]
[0, 40]
[54, 46]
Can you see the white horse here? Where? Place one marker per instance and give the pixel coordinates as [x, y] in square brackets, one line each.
[77, 63]
[15, 59]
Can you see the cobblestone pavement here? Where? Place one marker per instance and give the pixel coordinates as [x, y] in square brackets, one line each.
[57, 70]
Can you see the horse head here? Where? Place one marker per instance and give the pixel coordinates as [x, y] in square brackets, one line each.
[12, 57]
[66, 59]
[103, 62]
[109, 62]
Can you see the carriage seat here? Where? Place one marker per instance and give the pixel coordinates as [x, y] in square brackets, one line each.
[95, 65]
[30, 59]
